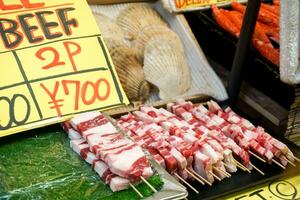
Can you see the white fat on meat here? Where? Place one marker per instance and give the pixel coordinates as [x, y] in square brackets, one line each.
[82, 149]
[78, 145]
[229, 161]
[181, 160]
[165, 112]
[142, 116]
[106, 128]
[147, 172]
[121, 163]
[100, 167]
[203, 166]
[73, 135]
[118, 183]
[84, 117]
[210, 152]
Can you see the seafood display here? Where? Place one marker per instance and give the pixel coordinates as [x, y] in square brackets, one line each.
[129, 69]
[207, 144]
[150, 52]
[119, 162]
[266, 32]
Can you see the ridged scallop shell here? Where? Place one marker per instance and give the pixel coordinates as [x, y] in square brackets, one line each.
[166, 68]
[109, 28]
[154, 32]
[113, 43]
[135, 17]
[130, 73]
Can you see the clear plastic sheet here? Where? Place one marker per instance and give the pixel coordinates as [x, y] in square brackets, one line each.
[40, 165]
[290, 41]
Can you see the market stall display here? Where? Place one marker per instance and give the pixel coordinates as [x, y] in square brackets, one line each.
[208, 143]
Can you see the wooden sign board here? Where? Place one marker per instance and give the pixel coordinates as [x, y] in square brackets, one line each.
[54, 64]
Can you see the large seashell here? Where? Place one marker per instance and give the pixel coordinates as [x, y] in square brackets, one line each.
[108, 28]
[113, 43]
[165, 67]
[154, 32]
[135, 17]
[130, 73]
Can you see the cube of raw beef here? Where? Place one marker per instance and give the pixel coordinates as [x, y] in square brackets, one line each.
[101, 168]
[82, 149]
[203, 165]
[73, 135]
[92, 123]
[157, 157]
[229, 161]
[181, 160]
[129, 163]
[183, 174]
[118, 183]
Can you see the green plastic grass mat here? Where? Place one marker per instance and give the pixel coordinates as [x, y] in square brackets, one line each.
[39, 164]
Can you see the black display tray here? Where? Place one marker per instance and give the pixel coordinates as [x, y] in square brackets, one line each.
[220, 46]
[241, 180]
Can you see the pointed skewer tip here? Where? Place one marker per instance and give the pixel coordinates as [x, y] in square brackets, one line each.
[261, 172]
[136, 190]
[278, 164]
[257, 156]
[194, 176]
[189, 185]
[202, 178]
[148, 184]
[215, 176]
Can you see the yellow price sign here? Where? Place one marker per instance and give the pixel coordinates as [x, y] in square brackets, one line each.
[285, 189]
[190, 5]
[182, 4]
[54, 64]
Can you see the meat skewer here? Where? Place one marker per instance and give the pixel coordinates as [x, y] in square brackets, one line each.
[234, 132]
[279, 149]
[115, 182]
[127, 122]
[123, 157]
[218, 136]
[175, 141]
[157, 116]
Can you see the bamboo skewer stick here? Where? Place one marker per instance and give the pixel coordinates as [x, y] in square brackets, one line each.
[203, 179]
[262, 173]
[148, 184]
[256, 156]
[242, 166]
[239, 166]
[277, 163]
[222, 172]
[190, 186]
[215, 176]
[194, 176]
[297, 159]
[293, 164]
[136, 190]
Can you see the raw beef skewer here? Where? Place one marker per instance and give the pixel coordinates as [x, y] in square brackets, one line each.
[123, 157]
[80, 146]
[279, 149]
[153, 137]
[101, 135]
[149, 113]
[235, 132]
